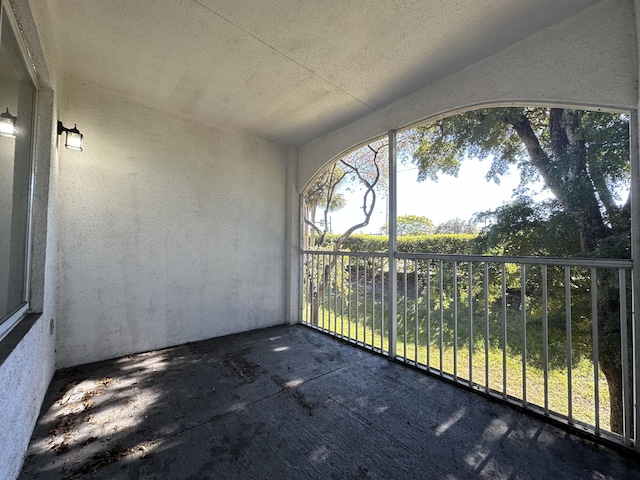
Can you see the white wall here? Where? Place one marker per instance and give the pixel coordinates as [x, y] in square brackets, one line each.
[27, 353]
[24, 378]
[169, 231]
[590, 59]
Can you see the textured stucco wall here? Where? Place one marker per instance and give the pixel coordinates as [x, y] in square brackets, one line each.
[590, 60]
[169, 231]
[27, 355]
[24, 378]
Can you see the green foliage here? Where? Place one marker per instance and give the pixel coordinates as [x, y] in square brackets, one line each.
[411, 225]
[457, 225]
[583, 159]
[442, 243]
[525, 228]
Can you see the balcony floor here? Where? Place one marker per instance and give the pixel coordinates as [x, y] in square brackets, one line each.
[289, 402]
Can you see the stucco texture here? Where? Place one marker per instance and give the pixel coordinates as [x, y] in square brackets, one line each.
[24, 376]
[169, 231]
[588, 60]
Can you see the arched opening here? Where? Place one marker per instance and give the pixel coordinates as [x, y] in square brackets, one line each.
[528, 300]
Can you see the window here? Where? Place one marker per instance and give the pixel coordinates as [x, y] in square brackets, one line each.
[17, 104]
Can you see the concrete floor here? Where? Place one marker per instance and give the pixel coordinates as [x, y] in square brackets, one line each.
[289, 402]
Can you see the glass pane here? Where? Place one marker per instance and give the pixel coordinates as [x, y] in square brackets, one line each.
[17, 94]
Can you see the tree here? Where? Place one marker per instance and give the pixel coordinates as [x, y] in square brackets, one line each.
[365, 170]
[322, 193]
[457, 225]
[411, 225]
[583, 159]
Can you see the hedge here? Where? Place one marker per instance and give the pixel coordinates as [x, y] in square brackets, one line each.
[452, 243]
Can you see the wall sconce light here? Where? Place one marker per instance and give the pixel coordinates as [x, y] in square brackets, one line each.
[73, 139]
[7, 124]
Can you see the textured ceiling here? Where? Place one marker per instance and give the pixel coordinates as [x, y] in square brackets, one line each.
[289, 70]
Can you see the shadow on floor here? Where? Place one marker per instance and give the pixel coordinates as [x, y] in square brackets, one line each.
[289, 402]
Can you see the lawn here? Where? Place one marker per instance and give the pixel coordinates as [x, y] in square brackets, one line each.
[456, 362]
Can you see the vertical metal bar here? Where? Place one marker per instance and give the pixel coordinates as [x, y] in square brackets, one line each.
[373, 302]
[471, 324]
[316, 288]
[324, 287]
[308, 305]
[595, 352]
[342, 292]
[357, 297]
[504, 331]
[567, 309]
[382, 294]
[364, 303]
[392, 221]
[334, 261]
[441, 322]
[416, 309]
[635, 272]
[349, 299]
[428, 302]
[523, 305]
[306, 280]
[545, 339]
[624, 352]
[486, 327]
[404, 303]
[455, 320]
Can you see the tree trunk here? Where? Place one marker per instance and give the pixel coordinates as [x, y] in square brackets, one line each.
[610, 351]
[318, 292]
[613, 373]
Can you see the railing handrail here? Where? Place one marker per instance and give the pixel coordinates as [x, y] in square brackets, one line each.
[407, 291]
[556, 261]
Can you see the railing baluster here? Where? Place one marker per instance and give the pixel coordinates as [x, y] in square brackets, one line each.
[455, 320]
[405, 316]
[373, 302]
[312, 286]
[364, 303]
[383, 292]
[342, 290]
[324, 287]
[545, 339]
[595, 351]
[428, 302]
[441, 322]
[486, 327]
[470, 323]
[567, 308]
[470, 270]
[504, 331]
[357, 326]
[349, 301]
[523, 306]
[334, 262]
[308, 291]
[415, 315]
[624, 352]
[324, 311]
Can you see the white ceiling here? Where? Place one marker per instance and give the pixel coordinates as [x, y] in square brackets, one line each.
[287, 70]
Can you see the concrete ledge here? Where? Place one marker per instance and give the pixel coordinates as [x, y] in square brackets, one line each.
[15, 336]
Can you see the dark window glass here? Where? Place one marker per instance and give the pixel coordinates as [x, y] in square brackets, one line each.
[17, 94]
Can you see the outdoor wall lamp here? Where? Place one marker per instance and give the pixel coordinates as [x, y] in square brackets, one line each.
[73, 139]
[7, 124]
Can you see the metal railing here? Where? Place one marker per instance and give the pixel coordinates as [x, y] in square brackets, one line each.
[552, 335]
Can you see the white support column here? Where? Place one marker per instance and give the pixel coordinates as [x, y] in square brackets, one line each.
[293, 235]
[392, 223]
[635, 280]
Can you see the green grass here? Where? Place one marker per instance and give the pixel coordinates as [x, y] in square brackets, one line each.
[582, 372]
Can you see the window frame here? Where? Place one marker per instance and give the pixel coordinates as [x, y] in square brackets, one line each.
[8, 322]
